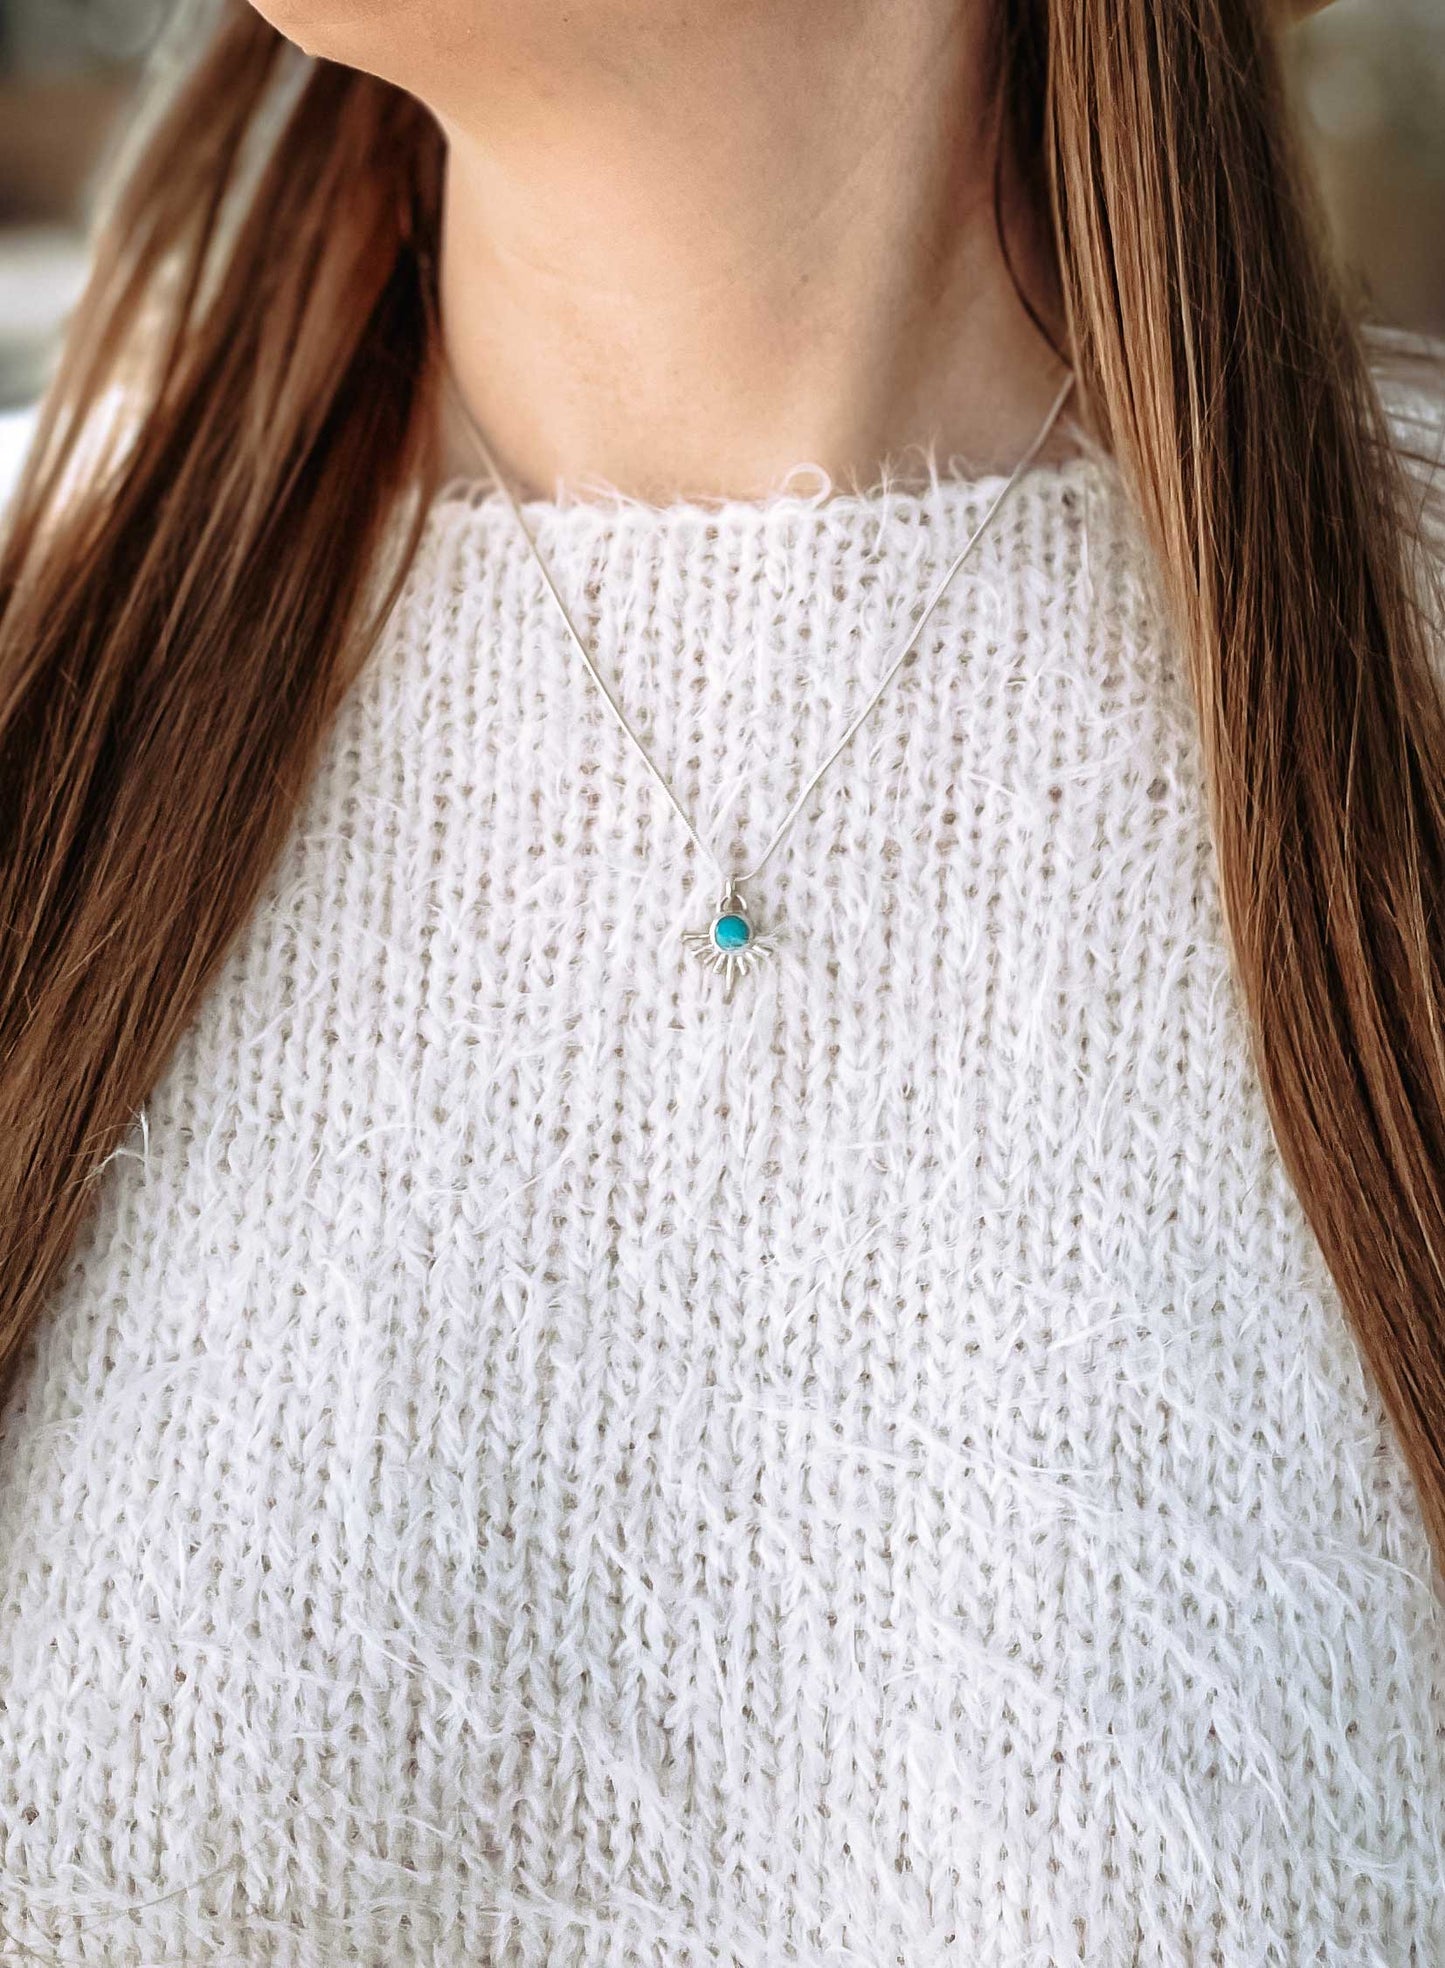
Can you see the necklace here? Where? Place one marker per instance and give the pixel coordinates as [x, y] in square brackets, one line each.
[731, 945]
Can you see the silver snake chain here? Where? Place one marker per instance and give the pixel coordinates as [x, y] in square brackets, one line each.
[731, 944]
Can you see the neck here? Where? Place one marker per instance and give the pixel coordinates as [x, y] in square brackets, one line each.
[684, 255]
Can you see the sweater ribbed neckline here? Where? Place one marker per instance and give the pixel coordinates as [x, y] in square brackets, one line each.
[1041, 485]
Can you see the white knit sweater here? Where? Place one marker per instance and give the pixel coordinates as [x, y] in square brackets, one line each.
[534, 1466]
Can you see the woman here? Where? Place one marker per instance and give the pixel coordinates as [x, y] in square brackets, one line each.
[914, 1438]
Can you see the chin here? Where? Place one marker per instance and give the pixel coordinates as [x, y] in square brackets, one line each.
[397, 39]
[447, 48]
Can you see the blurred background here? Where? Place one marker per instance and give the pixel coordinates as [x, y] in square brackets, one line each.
[1369, 75]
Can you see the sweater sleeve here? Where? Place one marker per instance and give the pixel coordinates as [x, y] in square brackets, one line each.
[16, 429]
[1409, 370]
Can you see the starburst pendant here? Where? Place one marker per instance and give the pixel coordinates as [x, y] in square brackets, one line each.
[730, 945]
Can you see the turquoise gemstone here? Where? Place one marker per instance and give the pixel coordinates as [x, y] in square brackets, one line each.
[731, 932]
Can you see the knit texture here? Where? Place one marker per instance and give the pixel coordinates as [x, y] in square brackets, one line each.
[532, 1465]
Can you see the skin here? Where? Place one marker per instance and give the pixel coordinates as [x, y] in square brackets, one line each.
[691, 244]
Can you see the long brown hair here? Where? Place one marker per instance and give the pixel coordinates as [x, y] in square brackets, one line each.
[195, 563]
